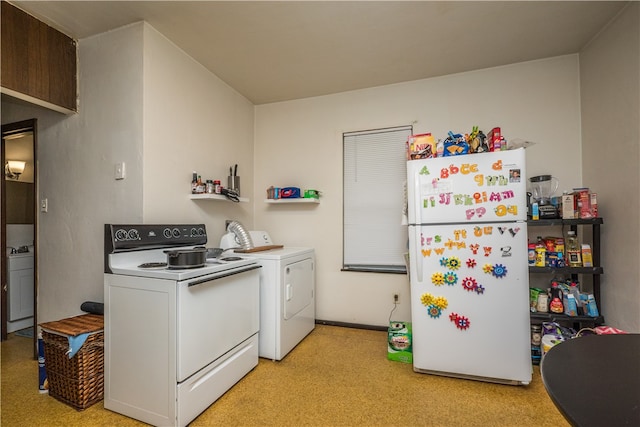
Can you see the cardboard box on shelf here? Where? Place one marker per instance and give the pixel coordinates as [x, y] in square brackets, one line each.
[587, 258]
[421, 146]
[584, 203]
[593, 201]
[568, 206]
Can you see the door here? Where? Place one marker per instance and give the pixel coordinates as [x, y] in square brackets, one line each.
[215, 316]
[20, 288]
[12, 135]
[483, 187]
[298, 287]
[470, 300]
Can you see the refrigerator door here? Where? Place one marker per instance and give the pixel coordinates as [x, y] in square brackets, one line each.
[470, 302]
[485, 187]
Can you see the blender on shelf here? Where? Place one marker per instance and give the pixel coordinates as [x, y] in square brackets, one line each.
[543, 188]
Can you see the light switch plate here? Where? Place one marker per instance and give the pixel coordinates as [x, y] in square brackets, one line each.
[119, 171]
[44, 205]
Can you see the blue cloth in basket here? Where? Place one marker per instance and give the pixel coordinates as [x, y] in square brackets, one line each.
[75, 343]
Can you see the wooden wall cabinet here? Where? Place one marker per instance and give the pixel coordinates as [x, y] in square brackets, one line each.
[38, 61]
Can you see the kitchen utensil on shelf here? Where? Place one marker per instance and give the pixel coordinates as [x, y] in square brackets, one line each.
[543, 188]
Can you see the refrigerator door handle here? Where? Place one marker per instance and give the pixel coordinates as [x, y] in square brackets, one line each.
[418, 261]
[417, 217]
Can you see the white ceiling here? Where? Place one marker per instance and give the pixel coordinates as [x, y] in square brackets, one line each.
[273, 51]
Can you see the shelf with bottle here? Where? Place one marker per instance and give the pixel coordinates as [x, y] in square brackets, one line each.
[593, 268]
[296, 200]
[567, 270]
[211, 190]
[560, 221]
[215, 197]
[560, 317]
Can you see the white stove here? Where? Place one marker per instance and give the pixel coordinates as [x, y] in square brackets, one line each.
[133, 264]
[175, 339]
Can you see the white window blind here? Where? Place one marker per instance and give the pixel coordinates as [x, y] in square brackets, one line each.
[374, 175]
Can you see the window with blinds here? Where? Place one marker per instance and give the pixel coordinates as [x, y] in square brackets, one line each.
[375, 172]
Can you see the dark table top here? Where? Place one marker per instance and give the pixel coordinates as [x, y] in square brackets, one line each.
[594, 380]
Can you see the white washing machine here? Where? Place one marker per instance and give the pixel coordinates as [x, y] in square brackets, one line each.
[287, 293]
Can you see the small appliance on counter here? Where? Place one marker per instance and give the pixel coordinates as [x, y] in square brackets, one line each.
[543, 188]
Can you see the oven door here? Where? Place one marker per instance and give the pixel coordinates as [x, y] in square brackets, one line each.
[215, 314]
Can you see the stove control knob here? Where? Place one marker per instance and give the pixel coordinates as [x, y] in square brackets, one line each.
[176, 233]
[166, 233]
[121, 234]
[201, 232]
[133, 234]
[194, 232]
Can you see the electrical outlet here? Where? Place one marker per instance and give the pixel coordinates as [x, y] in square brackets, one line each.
[396, 298]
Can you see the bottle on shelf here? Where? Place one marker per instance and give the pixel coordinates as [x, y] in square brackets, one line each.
[209, 187]
[556, 298]
[541, 252]
[200, 188]
[573, 249]
[194, 183]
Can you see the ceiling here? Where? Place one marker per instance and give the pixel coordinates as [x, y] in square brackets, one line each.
[273, 51]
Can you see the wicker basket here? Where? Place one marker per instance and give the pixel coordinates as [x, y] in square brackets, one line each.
[78, 381]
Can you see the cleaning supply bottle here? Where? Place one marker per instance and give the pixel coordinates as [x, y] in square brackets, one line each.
[573, 250]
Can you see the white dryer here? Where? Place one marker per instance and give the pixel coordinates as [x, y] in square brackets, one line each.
[287, 293]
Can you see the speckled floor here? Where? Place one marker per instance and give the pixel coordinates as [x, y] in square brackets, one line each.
[335, 377]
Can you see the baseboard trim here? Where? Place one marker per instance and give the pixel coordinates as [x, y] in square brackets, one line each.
[351, 325]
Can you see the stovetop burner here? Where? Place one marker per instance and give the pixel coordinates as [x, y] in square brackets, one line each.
[231, 258]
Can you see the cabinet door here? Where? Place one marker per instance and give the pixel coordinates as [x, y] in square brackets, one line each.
[20, 292]
[37, 60]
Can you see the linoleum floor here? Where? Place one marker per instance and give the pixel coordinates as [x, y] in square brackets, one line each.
[335, 377]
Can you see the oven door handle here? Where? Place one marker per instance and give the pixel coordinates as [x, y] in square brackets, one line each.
[227, 274]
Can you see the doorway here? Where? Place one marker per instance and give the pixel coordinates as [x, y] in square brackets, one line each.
[19, 217]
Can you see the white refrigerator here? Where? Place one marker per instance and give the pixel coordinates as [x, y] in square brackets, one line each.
[468, 266]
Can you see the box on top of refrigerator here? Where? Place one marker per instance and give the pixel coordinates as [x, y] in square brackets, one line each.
[421, 146]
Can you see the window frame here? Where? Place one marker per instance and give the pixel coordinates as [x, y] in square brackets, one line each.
[397, 185]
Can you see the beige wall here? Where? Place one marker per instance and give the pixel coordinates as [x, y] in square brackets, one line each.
[610, 91]
[298, 143]
[192, 121]
[134, 110]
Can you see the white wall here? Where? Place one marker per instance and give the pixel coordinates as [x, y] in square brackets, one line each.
[132, 109]
[77, 157]
[610, 90]
[192, 121]
[299, 143]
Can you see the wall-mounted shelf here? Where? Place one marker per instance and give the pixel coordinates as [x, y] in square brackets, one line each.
[216, 197]
[298, 200]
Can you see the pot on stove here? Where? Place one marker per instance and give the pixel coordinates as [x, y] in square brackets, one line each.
[187, 258]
